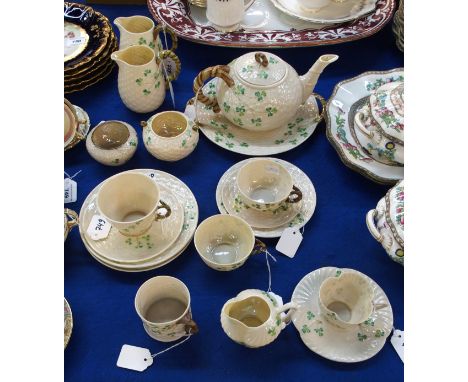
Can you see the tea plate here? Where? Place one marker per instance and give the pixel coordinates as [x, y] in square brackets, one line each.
[300, 179]
[334, 13]
[123, 249]
[185, 198]
[230, 137]
[327, 340]
[68, 322]
[339, 129]
[255, 218]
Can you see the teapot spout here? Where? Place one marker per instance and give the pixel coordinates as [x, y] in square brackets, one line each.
[309, 79]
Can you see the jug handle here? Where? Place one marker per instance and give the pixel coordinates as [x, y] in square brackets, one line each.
[220, 71]
[292, 307]
[169, 53]
[162, 28]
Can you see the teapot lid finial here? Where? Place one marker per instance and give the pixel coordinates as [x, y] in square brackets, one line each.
[260, 68]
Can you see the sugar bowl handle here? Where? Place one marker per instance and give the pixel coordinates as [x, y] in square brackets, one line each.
[291, 307]
[371, 226]
[220, 71]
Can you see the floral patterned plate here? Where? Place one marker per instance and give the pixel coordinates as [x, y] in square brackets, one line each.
[185, 198]
[340, 125]
[68, 323]
[230, 137]
[257, 219]
[121, 249]
[264, 26]
[301, 180]
[336, 344]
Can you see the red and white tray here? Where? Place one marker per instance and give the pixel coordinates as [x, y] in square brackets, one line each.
[189, 22]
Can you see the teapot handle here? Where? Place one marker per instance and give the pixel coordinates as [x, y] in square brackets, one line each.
[292, 307]
[220, 71]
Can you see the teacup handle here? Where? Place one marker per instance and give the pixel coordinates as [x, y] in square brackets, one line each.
[73, 218]
[161, 28]
[160, 216]
[295, 196]
[169, 53]
[220, 71]
[358, 120]
[259, 247]
[191, 327]
[291, 307]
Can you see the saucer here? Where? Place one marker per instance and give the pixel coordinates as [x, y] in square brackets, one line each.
[68, 322]
[335, 12]
[230, 137]
[339, 128]
[327, 340]
[123, 249]
[255, 218]
[300, 179]
[190, 220]
[83, 128]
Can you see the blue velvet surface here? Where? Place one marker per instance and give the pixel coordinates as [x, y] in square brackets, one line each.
[102, 299]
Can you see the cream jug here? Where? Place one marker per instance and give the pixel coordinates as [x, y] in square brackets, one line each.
[254, 318]
[141, 82]
[140, 30]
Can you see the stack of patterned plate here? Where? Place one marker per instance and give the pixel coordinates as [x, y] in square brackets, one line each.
[164, 241]
[267, 224]
[399, 26]
[88, 44]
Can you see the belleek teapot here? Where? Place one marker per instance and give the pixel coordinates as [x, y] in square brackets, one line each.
[254, 318]
[259, 91]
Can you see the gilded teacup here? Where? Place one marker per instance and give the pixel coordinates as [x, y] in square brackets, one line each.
[266, 185]
[225, 242]
[163, 304]
[130, 202]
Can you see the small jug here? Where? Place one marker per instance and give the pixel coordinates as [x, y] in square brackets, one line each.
[254, 318]
[170, 135]
[141, 77]
[140, 30]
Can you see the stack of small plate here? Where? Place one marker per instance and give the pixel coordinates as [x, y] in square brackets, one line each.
[267, 224]
[165, 240]
[88, 44]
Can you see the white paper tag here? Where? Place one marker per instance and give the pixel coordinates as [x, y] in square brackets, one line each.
[398, 342]
[70, 190]
[98, 228]
[134, 358]
[76, 41]
[289, 242]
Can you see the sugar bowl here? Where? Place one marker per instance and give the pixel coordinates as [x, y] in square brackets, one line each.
[112, 143]
[386, 222]
[170, 135]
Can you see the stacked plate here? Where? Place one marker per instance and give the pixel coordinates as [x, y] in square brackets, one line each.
[349, 98]
[88, 44]
[267, 224]
[165, 240]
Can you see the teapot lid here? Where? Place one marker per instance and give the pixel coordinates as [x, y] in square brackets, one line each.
[260, 68]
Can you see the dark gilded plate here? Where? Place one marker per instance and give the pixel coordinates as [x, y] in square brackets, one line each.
[88, 30]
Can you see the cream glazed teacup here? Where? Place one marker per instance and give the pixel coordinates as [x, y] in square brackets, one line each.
[226, 15]
[225, 242]
[130, 203]
[266, 185]
[347, 302]
[170, 135]
[163, 304]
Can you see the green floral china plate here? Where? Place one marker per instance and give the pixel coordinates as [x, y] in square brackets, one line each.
[226, 135]
[300, 179]
[340, 125]
[185, 198]
[329, 341]
[68, 322]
